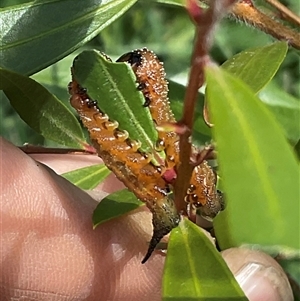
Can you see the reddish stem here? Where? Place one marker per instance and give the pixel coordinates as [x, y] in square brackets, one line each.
[205, 23]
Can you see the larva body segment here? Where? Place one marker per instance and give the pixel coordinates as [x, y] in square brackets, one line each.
[121, 155]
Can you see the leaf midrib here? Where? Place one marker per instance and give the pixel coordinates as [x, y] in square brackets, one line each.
[102, 169]
[190, 263]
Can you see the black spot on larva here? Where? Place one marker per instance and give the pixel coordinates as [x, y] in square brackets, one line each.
[147, 101]
[141, 86]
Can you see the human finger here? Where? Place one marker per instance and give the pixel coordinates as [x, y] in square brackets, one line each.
[49, 249]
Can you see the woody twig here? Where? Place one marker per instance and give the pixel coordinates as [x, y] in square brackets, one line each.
[248, 13]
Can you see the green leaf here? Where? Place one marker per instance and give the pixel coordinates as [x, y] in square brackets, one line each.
[171, 2]
[201, 132]
[113, 86]
[37, 34]
[114, 205]
[291, 267]
[257, 66]
[259, 171]
[179, 3]
[285, 108]
[297, 150]
[41, 110]
[87, 177]
[57, 77]
[194, 269]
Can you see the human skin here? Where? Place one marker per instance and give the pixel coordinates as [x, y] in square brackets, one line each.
[49, 250]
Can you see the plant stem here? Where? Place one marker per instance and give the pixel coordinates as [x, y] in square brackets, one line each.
[205, 23]
[35, 149]
[246, 12]
[285, 12]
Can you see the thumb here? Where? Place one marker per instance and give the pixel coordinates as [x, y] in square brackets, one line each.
[258, 274]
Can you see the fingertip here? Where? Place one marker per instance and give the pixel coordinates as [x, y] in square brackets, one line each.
[259, 283]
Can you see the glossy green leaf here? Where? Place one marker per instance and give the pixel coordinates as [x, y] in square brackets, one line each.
[201, 132]
[113, 86]
[37, 34]
[257, 66]
[285, 108]
[259, 171]
[194, 269]
[87, 177]
[41, 110]
[114, 205]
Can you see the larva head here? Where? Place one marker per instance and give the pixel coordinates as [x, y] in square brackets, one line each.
[165, 218]
[134, 58]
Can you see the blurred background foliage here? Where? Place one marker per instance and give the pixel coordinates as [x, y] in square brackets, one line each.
[166, 30]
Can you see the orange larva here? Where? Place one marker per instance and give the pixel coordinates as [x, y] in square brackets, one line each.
[151, 81]
[202, 192]
[133, 168]
[116, 149]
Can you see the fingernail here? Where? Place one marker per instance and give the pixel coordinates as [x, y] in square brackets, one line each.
[259, 282]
